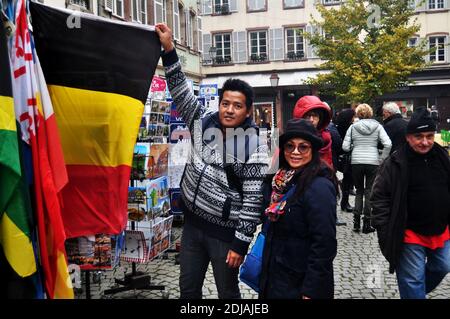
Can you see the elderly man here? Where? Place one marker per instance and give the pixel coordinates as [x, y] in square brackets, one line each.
[394, 125]
[410, 201]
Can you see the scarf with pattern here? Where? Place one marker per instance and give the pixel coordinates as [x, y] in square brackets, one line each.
[279, 189]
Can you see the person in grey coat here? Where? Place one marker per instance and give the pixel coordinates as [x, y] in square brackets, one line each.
[362, 139]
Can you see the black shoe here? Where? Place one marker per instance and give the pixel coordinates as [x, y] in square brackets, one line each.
[352, 192]
[367, 229]
[339, 223]
[356, 223]
[347, 208]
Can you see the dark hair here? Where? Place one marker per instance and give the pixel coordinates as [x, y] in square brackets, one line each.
[316, 167]
[239, 86]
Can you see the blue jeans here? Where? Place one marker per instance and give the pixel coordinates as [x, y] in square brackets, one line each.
[421, 269]
[197, 250]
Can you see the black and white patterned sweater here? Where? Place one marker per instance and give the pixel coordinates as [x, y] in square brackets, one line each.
[210, 202]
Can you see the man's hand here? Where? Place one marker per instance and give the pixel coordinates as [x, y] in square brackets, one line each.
[234, 260]
[165, 36]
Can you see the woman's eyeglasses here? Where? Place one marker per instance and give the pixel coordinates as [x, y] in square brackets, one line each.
[301, 148]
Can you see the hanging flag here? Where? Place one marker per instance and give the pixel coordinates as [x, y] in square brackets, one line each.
[98, 73]
[15, 207]
[39, 130]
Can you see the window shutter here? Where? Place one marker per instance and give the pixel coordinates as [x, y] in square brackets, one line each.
[200, 34]
[158, 12]
[134, 10]
[206, 7]
[176, 20]
[144, 11]
[206, 45]
[445, 4]
[426, 43]
[233, 5]
[188, 26]
[109, 5]
[447, 49]
[240, 47]
[311, 51]
[421, 5]
[276, 44]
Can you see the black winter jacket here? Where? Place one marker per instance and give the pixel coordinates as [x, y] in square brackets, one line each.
[389, 201]
[395, 127]
[301, 245]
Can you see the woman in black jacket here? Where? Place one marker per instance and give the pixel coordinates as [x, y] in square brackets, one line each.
[301, 211]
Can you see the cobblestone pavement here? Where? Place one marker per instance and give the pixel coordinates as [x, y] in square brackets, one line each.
[361, 272]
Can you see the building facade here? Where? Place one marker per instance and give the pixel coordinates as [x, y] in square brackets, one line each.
[257, 40]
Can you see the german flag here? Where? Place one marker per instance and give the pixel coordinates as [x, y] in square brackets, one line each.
[98, 74]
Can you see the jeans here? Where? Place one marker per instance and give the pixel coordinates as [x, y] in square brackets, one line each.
[197, 250]
[421, 269]
[363, 177]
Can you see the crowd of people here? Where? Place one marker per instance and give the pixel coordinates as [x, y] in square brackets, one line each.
[401, 176]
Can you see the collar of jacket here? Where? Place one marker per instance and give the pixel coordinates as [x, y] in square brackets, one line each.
[392, 117]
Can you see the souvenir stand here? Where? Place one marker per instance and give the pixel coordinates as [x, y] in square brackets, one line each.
[148, 234]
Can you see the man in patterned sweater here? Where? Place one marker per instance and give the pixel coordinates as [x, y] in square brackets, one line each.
[221, 185]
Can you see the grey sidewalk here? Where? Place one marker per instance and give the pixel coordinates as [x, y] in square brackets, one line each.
[360, 272]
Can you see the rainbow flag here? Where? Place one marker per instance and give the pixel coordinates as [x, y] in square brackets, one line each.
[15, 207]
[98, 74]
[34, 112]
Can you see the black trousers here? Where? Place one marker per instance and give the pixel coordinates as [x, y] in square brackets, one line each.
[363, 177]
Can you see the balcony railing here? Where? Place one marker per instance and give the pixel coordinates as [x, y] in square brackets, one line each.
[255, 58]
[223, 60]
[222, 9]
[295, 56]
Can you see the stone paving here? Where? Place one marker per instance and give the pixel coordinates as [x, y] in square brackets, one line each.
[361, 272]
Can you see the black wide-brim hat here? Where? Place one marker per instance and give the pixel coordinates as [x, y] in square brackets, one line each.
[303, 129]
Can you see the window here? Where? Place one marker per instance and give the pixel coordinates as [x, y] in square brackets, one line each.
[117, 7]
[435, 4]
[295, 44]
[81, 3]
[222, 42]
[176, 21]
[412, 42]
[437, 43]
[221, 6]
[139, 11]
[293, 4]
[160, 11]
[258, 46]
[256, 5]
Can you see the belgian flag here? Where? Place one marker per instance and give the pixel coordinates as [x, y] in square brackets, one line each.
[98, 74]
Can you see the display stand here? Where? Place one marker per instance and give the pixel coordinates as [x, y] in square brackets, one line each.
[134, 280]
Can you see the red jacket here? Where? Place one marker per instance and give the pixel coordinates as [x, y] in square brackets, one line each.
[311, 102]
